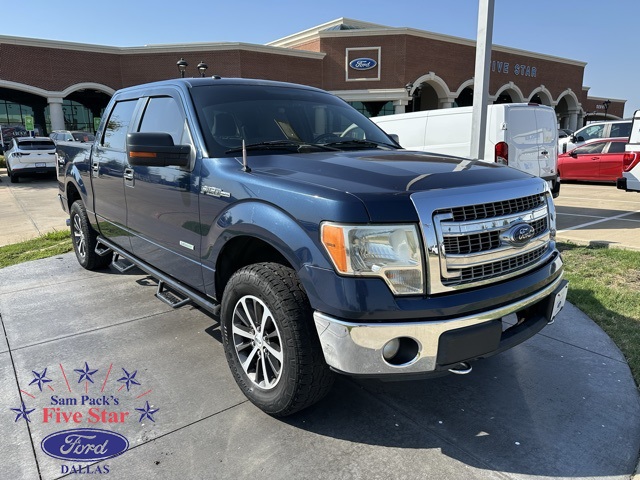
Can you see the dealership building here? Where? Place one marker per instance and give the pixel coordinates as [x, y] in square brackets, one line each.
[380, 70]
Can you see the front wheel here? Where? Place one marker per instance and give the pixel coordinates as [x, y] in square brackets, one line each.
[84, 239]
[270, 340]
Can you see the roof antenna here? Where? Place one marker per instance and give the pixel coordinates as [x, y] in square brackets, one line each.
[245, 167]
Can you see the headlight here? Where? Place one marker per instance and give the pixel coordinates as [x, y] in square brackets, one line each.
[391, 252]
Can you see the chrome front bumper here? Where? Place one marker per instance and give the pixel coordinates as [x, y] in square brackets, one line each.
[357, 349]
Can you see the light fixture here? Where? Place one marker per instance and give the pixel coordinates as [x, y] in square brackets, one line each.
[182, 66]
[202, 67]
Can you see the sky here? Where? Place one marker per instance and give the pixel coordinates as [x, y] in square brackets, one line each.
[602, 34]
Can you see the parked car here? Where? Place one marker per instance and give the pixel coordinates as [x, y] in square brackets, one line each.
[30, 156]
[7, 132]
[71, 136]
[630, 178]
[599, 160]
[610, 129]
[564, 133]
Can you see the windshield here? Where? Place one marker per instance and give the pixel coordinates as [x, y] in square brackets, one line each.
[276, 117]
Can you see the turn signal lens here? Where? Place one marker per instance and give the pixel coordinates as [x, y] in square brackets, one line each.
[333, 240]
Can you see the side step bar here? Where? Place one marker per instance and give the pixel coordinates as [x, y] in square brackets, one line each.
[170, 297]
[183, 293]
[121, 264]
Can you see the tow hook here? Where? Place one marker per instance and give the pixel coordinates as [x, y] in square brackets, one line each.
[461, 368]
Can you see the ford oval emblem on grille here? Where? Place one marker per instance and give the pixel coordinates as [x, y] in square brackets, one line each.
[363, 63]
[518, 235]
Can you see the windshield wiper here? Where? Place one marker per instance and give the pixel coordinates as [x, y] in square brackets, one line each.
[282, 144]
[354, 142]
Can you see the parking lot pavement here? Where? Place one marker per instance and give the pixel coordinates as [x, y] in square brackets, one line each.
[598, 215]
[562, 405]
[29, 208]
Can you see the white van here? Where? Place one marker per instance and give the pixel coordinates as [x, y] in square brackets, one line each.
[521, 135]
[630, 180]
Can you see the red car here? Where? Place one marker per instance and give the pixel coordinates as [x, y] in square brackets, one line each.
[599, 160]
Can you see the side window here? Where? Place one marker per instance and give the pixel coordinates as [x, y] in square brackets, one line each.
[163, 114]
[594, 131]
[118, 125]
[620, 129]
[616, 147]
[590, 149]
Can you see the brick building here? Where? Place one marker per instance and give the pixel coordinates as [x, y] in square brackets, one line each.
[378, 69]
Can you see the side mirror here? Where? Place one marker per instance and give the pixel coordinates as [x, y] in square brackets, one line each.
[579, 138]
[572, 138]
[573, 154]
[156, 149]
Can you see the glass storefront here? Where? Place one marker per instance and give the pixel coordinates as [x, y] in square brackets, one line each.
[13, 113]
[374, 109]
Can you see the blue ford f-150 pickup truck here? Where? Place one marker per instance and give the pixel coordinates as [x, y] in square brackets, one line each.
[323, 245]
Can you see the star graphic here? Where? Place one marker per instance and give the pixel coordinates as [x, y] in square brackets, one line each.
[23, 413]
[129, 379]
[147, 412]
[85, 374]
[39, 378]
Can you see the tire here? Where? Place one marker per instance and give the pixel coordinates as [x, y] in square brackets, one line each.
[12, 176]
[284, 370]
[83, 237]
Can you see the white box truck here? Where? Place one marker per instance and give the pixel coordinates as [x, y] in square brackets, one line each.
[521, 135]
[630, 180]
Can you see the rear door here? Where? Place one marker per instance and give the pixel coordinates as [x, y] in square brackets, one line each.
[523, 138]
[108, 160]
[610, 167]
[546, 122]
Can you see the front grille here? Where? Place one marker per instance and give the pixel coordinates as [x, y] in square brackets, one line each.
[479, 242]
[501, 267]
[495, 209]
[483, 242]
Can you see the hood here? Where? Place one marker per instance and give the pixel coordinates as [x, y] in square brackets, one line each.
[382, 180]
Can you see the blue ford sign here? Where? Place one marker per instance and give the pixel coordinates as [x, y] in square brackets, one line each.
[84, 444]
[363, 63]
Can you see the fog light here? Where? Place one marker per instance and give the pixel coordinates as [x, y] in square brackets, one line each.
[391, 348]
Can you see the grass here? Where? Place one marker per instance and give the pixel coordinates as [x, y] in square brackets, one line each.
[3, 164]
[605, 285]
[47, 245]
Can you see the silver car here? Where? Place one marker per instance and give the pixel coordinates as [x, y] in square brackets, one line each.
[30, 156]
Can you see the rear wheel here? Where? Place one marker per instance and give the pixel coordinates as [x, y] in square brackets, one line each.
[12, 176]
[270, 341]
[84, 239]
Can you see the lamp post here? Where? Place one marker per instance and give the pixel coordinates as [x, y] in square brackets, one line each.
[182, 66]
[408, 88]
[202, 67]
[606, 104]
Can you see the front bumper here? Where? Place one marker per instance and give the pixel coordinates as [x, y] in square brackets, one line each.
[357, 348]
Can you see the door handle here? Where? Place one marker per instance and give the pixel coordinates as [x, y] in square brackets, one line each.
[128, 177]
[544, 152]
[95, 168]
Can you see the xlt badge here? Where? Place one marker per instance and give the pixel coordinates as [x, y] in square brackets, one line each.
[214, 191]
